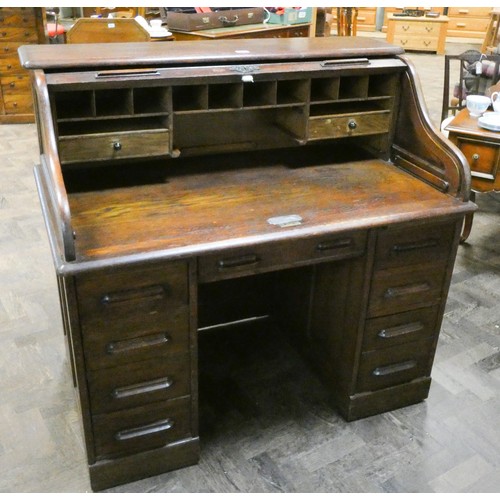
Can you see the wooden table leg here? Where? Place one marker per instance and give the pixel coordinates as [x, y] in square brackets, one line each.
[468, 221]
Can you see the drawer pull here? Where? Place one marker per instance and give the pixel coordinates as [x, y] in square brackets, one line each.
[397, 331]
[352, 124]
[142, 388]
[383, 371]
[117, 146]
[244, 260]
[12, 85]
[145, 430]
[475, 157]
[418, 245]
[429, 28]
[405, 28]
[334, 244]
[400, 291]
[461, 25]
[122, 346]
[149, 292]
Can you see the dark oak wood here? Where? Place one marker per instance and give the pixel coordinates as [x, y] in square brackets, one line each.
[299, 184]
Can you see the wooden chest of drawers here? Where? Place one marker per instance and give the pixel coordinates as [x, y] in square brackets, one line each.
[418, 33]
[18, 26]
[468, 22]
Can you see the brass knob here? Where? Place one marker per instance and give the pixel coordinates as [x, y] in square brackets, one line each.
[475, 157]
[117, 146]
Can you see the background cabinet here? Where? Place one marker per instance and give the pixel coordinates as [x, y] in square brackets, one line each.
[18, 26]
[470, 22]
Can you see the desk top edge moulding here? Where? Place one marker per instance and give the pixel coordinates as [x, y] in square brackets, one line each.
[212, 183]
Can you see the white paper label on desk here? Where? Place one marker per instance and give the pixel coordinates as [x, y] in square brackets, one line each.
[111, 25]
[285, 220]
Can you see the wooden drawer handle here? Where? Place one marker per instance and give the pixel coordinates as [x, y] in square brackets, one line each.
[405, 28]
[416, 245]
[383, 371]
[148, 292]
[334, 244]
[429, 28]
[243, 260]
[142, 388]
[145, 430]
[400, 291]
[461, 25]
[398, 331]
[121, 346]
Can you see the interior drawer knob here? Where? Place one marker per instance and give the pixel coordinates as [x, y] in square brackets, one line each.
[475, 157]
[352, 124]
[117, 146]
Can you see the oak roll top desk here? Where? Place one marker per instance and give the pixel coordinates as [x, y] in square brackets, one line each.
[200, 184]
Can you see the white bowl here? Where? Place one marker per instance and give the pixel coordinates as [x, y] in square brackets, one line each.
[477, 104]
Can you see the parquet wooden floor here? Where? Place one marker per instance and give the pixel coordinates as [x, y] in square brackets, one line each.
[270, 428]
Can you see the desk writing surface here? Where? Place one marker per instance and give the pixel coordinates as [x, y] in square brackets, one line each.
[194, 210]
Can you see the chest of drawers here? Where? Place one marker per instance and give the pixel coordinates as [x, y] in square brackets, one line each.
[18, 26]
[418, 33]
[468, 22]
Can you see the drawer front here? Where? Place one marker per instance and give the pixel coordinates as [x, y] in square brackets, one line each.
[9, 60]
[139, 429]
[127, 386]
[114, 145]
[261, 258]
[484, 159]
[366, 16]
[16, 85]
[411, 245]
[416, 43]
[400, 289]
[396, 329]
[395, 365]
[20, 17]
[133, 314]
[428, 30]
[18, 103]
[468, 25]
[469, 11]
[18, 34]
[334, 126]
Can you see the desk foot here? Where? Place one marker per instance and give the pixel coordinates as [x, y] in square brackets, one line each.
[371, 403]
[108, 473]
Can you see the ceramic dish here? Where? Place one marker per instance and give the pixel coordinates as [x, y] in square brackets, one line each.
[490, 121]
[160, 32]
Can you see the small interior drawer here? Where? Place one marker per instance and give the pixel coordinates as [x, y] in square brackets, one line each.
[396, 329]
[137, 384]
[279, 255]
[400, 289]
[139, 429]
[395, 365]
[410, 245]
[114, 145]
[345, 125]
